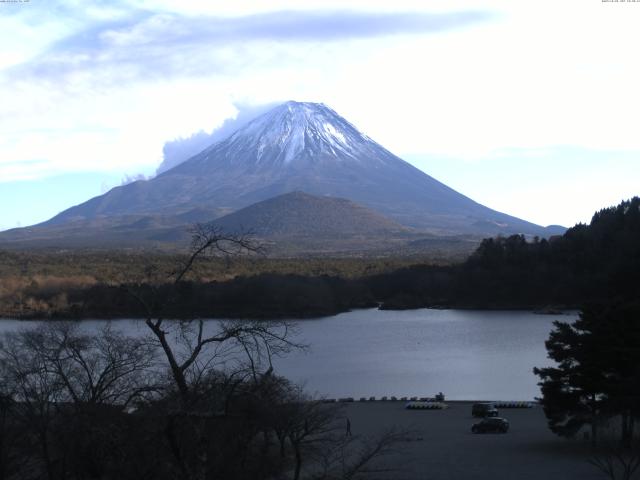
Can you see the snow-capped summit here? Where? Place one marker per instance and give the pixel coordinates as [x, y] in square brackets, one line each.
[294, 134]
[294, 128]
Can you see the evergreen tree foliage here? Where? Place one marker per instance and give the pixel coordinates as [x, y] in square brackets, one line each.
[597, 377]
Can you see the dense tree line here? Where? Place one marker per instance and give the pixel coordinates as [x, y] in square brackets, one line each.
[600, 261]
[589, 262]
[262, 296]
[594, 386]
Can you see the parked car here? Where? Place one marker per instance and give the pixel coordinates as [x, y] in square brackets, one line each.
[491, 424]
[484, 410]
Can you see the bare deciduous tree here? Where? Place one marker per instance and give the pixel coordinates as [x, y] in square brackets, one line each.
[190, 346]
[54, 372]
[103, 368]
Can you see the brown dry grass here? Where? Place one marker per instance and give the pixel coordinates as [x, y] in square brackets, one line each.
[38, 283]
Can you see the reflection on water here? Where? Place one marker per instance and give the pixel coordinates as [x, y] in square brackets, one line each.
[466, 354]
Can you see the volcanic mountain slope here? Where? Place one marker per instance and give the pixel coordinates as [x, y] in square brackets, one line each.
[302, 147]
[295, 214]
[291, 225]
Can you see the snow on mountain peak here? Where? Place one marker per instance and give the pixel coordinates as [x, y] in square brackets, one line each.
[296, 130]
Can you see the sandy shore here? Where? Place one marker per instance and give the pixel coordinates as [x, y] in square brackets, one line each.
[442, 447]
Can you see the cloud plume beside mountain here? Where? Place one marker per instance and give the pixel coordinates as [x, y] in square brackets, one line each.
[176, 151]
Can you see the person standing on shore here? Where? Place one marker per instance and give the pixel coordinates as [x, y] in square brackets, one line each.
[348, 427]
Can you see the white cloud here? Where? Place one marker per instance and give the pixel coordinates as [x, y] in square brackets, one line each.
[108, 97]
[118, 130]
[531, 79]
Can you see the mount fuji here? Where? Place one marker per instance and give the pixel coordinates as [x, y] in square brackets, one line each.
[297, 146]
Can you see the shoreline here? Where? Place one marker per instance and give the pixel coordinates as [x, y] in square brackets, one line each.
[537, 310]
[393, 400]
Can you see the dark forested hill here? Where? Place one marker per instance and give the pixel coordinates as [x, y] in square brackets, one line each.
[299, 213]
[588, 263]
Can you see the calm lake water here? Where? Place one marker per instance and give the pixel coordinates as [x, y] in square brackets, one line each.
[466, 354]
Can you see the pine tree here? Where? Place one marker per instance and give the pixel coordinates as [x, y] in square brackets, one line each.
[597, 376]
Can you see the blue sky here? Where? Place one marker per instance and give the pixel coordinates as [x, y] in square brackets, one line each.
[527, 107]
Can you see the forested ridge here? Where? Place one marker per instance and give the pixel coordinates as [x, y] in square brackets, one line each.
[593, 388]
[588, 263]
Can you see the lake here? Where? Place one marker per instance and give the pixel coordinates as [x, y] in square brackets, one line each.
[466, 354]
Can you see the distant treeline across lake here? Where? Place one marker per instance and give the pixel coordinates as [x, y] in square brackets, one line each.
[589, 263]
